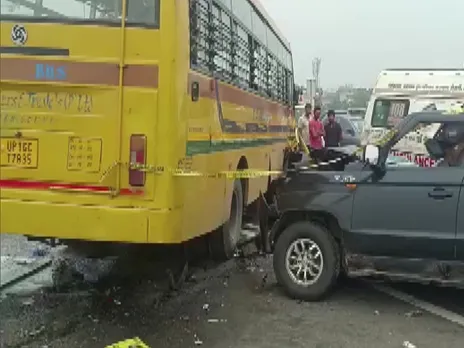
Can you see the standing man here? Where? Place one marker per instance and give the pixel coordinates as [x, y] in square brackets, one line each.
[303, 123]
[333, 131]
[316, 134]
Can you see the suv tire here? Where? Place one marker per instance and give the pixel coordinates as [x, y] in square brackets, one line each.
[321, 249]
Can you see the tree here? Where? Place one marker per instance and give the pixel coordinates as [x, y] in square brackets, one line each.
[360, 98]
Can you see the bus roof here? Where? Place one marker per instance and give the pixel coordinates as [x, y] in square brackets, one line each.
[425, 70]
[257, 5]
[421, 81]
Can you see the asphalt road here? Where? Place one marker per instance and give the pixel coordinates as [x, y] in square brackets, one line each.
[235, 305]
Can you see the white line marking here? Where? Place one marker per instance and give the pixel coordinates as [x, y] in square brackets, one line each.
[426, 306]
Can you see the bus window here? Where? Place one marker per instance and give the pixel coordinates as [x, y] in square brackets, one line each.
[388, 113]
[139, 12]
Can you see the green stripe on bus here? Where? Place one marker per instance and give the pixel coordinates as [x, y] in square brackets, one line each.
[205, 146]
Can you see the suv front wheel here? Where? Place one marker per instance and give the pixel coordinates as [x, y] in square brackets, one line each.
[306, 261]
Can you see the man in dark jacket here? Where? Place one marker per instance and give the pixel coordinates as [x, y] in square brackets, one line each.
[333, 131]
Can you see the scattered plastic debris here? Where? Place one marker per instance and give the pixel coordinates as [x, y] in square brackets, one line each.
[376, 312]
[24, 261]
[415, 313]
[197, 341]
[117, 303]
[206, 307]
[28, 302]
[37, 332]
[95, 320]
[40, 252]
[407, 344]
[212, 320]
[130, 343]
[238, 253]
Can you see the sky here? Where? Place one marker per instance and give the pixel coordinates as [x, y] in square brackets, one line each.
[356, 39]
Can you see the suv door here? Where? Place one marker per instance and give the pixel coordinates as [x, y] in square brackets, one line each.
[460, 225]
[409, 212]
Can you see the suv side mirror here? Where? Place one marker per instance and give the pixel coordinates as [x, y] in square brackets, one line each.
[371, 154]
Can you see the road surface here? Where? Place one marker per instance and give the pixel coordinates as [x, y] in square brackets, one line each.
[237, 304]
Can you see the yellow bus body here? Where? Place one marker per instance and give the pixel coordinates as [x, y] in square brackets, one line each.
[71, 97]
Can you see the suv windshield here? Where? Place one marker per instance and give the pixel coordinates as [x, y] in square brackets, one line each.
[142, 12]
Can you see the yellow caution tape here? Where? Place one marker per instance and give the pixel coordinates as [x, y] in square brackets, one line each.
[130, 343]
[236, 174]
[294, 144]
[159, 170]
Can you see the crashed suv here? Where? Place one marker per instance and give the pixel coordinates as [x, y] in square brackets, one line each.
[371, 219]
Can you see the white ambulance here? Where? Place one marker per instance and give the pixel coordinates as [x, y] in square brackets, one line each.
[399, 92]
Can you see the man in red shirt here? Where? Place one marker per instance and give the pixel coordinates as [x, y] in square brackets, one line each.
[316, 135]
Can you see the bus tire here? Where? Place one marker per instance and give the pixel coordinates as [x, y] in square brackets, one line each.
[309, 247]
[223, 241]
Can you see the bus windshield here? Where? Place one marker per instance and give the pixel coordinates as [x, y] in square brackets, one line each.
[141, 12]
[389, 112]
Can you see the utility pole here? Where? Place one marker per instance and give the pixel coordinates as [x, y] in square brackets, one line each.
[316, 71]
[317, 87]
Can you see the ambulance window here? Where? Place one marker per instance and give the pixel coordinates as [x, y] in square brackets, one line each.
[388, 113]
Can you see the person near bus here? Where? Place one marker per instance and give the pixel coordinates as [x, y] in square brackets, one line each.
[303, 123]
[316, 135]
[333, 131]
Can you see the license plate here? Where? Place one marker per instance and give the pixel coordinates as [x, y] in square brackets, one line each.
[21, 153]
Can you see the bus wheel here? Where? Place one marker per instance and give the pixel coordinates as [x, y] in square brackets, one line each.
[224, 240]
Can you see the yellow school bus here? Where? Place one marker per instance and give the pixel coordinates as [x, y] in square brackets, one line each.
[102, 99]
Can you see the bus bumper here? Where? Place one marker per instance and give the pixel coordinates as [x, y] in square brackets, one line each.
[92, 223]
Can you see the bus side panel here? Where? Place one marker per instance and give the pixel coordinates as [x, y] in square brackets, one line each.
[214, 150]
[203, 197]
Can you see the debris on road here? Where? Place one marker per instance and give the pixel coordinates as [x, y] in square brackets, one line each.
[407, 344]
[415, 313]
[24, 261]
[37, 331]
[40, 252]
[217, 320]
[130, 343]
[28, 302]
[197, 341]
